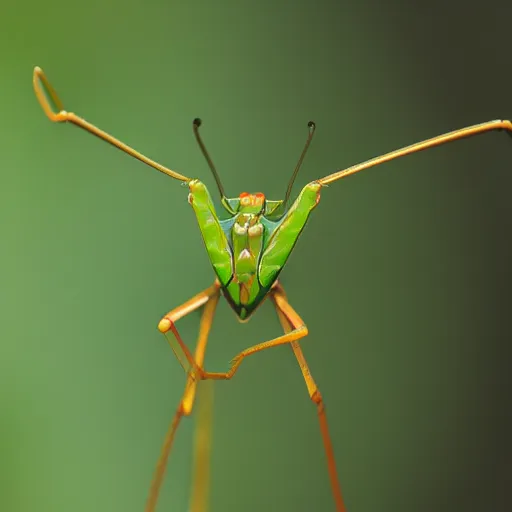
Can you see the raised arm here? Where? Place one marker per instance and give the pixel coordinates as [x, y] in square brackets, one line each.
[420, 146]
[46, 93]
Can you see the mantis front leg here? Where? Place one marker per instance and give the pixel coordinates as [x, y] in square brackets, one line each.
[477, 129]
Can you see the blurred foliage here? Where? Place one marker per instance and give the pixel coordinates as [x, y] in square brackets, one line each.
[403, 273]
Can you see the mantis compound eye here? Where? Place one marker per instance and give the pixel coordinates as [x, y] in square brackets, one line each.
[245, 199]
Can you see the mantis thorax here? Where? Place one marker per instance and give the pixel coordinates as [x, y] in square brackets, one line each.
[249, 249]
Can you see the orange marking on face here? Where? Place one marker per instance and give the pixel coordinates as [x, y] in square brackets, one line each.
[247, 199]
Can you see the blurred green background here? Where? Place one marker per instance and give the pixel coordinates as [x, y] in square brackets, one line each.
[402, 275]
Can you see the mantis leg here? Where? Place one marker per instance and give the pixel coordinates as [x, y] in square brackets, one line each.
[290, 320]
[299, 331]
[168, 325]
[209, 298]
[202, 447]
[47, 96]
[476, 129]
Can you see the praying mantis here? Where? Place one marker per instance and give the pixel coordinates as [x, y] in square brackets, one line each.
[247, 251]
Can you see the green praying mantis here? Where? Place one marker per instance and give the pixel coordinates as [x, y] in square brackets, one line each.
[247, 251]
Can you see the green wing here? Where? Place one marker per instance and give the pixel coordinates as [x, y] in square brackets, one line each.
[215, 240]
[283, 238]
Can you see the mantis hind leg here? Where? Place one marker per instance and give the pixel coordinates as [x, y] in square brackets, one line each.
[193, 365]
[290, 320]
[199, 494]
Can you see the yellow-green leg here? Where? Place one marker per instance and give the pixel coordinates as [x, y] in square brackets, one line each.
[200, 481]
[295, 329]
[294, 334]
[470, 131]
[290, 320]
[200, 489]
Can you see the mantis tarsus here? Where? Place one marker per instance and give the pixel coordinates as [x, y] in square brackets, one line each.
[248, 250]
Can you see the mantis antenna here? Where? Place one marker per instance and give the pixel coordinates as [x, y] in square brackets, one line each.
[312, 128]
[46, 93]
[196, 124]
